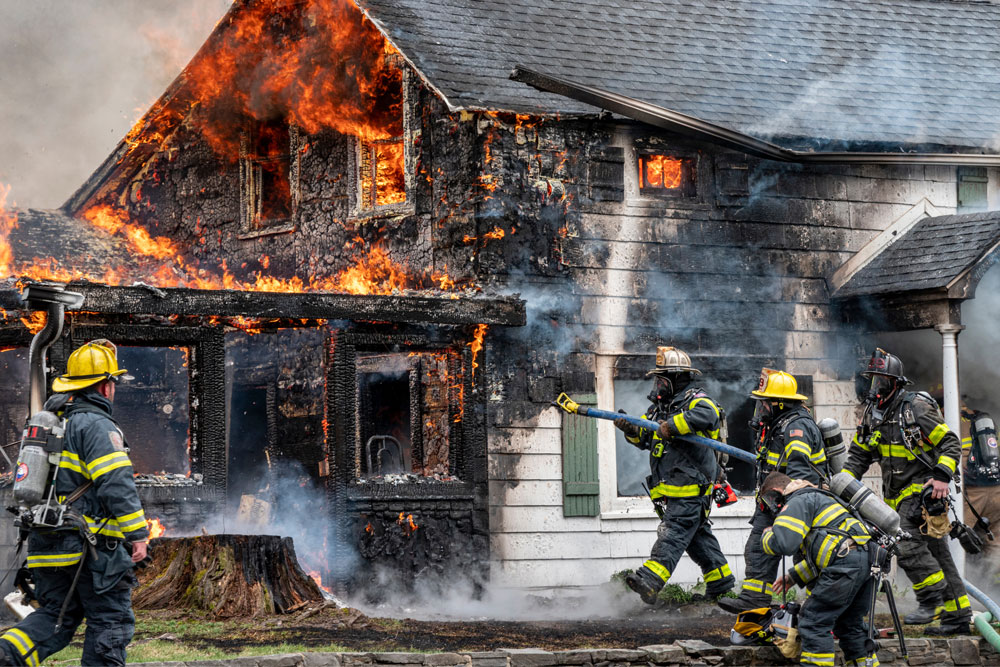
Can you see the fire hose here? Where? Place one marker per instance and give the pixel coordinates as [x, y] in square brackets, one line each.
[983, 620]
[572, 407]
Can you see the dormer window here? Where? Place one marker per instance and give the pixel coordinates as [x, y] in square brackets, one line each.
[269, 171]
[666, 175]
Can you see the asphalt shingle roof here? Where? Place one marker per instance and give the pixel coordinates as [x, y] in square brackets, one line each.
[928, 256]
[899, 71]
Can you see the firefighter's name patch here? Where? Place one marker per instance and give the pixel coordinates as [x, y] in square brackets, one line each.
[116, 440]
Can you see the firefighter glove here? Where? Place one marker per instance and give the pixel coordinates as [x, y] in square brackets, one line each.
[629, 429]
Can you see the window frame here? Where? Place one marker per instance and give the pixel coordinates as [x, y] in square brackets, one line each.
[251, 225]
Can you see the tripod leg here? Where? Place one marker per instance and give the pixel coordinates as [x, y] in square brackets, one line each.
[895, 617]
[871, 644]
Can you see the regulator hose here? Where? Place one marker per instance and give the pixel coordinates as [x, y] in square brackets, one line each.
[982, 621]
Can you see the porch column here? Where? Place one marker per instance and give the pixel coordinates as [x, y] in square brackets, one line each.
[949, 381]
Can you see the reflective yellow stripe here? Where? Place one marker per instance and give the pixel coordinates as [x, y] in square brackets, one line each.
[804, 570]
[718, 573]
[681, 424]
[828, 515]
[939, 432]
[967, 442]
[955, 605]
[757, 586]
[903, 495]
[22, 642]
[658, 570]
[765, 543]
[827, 548]
[929, 581]
[791, 523]
[823, 659]
[110, 528]
[106, 464]
[704, 399]
[818, 457]
[863, 445]
[673, 491]
[772, 457]
[798, 446]
[54, 560]
[947, 462]
[71, 461]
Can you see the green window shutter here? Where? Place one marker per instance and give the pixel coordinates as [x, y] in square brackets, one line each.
[581, 488]
[972, 183]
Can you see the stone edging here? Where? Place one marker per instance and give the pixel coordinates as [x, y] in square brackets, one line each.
[956, 652]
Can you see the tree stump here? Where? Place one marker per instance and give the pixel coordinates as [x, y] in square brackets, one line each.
[226, 575]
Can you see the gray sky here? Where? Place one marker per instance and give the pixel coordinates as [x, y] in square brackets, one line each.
[76, 74]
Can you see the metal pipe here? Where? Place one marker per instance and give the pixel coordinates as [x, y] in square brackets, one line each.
[53, 299]
[675, 121]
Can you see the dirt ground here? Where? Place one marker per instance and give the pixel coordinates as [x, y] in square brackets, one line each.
[661, 626]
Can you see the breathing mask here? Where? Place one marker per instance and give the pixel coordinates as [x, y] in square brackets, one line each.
[665, 386]
[881, 389]
[763, 413]
[773, 500]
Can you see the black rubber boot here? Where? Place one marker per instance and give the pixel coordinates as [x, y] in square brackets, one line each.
[925, 613]
[644, 582]
[950, 626]
[742, 603]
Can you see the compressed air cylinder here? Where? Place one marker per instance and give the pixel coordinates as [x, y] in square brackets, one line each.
[31, 474]
[833, 443]
[986, 439]
[860, 499]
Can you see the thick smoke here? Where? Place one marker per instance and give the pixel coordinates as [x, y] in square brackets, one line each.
[77, 75]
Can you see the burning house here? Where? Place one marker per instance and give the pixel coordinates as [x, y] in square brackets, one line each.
[348, 253]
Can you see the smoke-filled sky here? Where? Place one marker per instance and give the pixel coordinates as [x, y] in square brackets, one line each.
[76, 74]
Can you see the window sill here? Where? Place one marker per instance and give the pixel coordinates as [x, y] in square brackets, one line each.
[388, 211]
[269, 231]
[629, 508]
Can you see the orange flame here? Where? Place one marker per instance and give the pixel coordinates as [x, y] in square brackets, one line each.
[477, 344]
[407, 522]
[8, 222]
[660, 171]
[34, 320]
[155, 527]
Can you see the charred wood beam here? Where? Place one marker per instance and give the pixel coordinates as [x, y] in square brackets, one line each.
[675, 121]
[505, 311]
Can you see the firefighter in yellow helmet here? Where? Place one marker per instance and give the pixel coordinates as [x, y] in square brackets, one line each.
[681, 479]
[789, 441]
[93, 583]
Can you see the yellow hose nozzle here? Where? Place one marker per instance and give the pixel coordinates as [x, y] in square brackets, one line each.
[567, 404]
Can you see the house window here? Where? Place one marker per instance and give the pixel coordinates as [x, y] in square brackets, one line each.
[380, 169]
[157, 401]
[972, 189]
[405, 411]
[381, 173]
[666, 175]
[269, 171]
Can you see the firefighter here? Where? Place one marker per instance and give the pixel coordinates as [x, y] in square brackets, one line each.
[681, 479]
[789, 441]
[981, 474]
[905, 433]
[830, 549]
[95, 468]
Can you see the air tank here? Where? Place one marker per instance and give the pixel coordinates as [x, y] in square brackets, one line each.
[833, 444]
[986, 438]
[31, 475]
[860, 499]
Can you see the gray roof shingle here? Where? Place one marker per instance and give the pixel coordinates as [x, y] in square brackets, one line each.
[898, 71]
[928, 256]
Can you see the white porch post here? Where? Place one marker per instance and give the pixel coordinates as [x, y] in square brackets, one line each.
[949, 381]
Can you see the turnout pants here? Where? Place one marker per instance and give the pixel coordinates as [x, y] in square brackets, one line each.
[761, 569]
[838, 603]
[110, 622]
[928, 564]
[986, 500]
[685, 527]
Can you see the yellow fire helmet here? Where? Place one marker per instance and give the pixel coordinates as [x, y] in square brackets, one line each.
[753, 626]
[778, 385]
[672, 360]
[89, 364]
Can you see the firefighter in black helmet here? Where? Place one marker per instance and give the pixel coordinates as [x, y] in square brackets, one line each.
[789, 441]
[905, 433]
[681, 478]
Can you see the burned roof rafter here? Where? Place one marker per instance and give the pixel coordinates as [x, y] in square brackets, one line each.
[504, 311]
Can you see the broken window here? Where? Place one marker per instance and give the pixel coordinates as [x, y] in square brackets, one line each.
[153, 410]
[14, 401]
[381, 163]
[668, 175]
[268, 172]
[405, 412]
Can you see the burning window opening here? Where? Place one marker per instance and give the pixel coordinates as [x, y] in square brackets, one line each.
[154, 410]
[666, 175]
[269, 169]
[381, 173]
